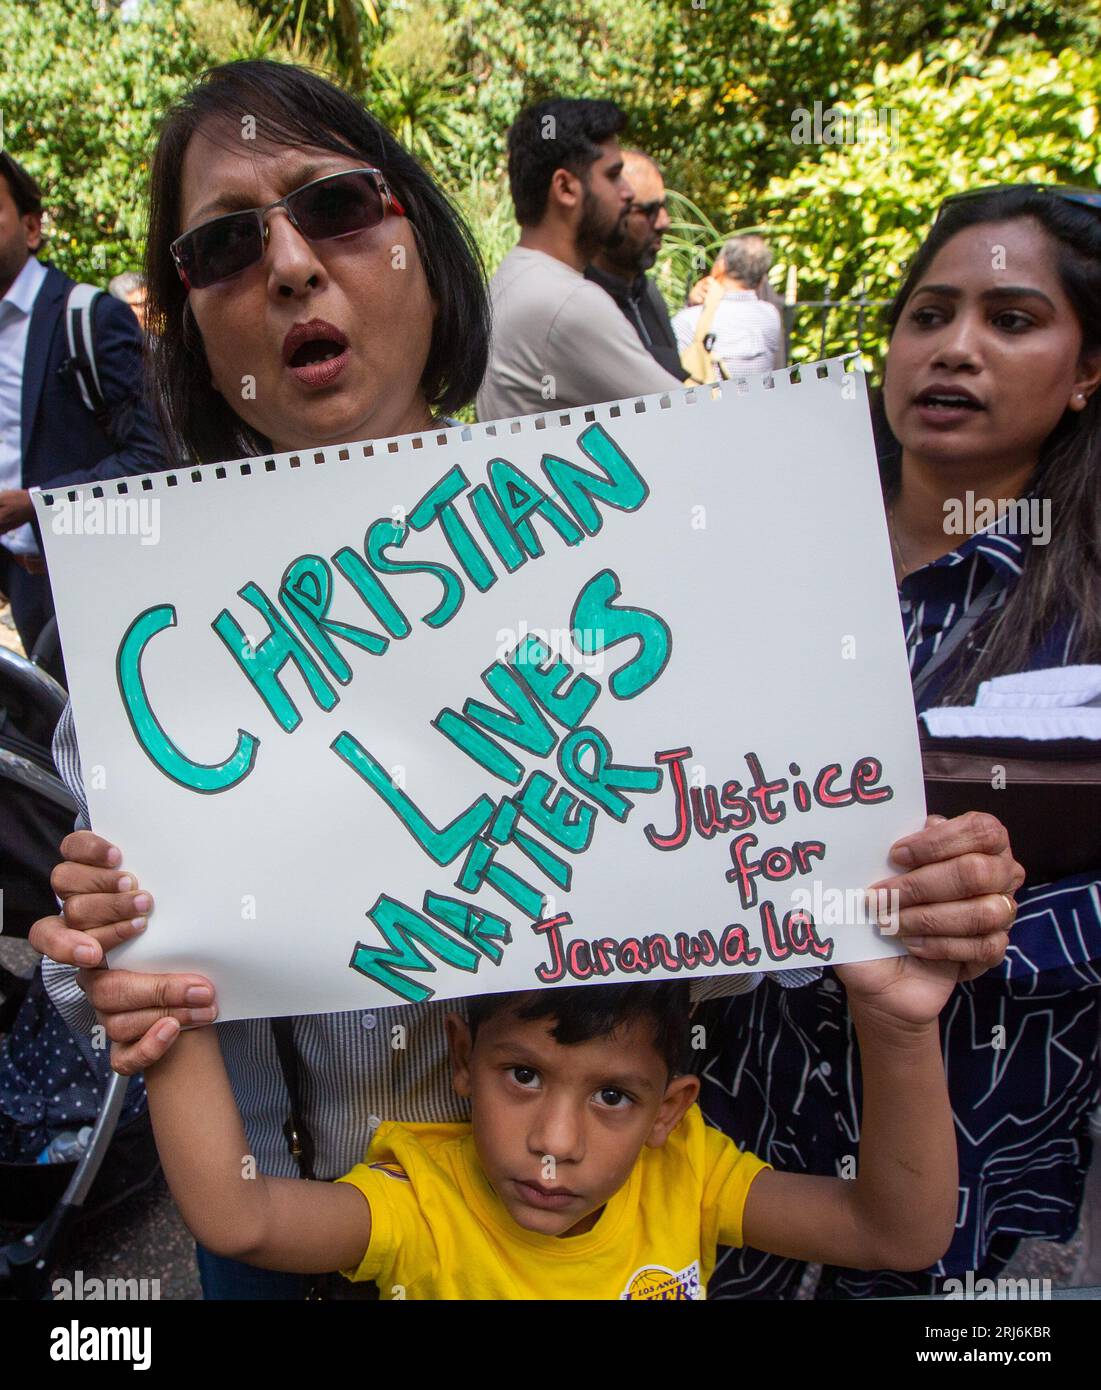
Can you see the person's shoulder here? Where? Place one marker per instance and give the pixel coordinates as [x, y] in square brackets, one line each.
[52, 291]
[534, 269]
[652, 291]
[406, 1149]
[588, 309]
[115, 315]
[527, 295]
[56, 279]
[689, 1148]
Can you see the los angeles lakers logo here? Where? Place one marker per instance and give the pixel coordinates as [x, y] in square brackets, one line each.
[655, 1281]
[391, 1169]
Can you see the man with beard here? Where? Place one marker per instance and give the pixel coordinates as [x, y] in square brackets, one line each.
[620, 266]
[559, 340]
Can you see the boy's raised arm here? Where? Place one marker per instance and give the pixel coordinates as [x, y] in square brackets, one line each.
[229, 1207]
[899, 1210]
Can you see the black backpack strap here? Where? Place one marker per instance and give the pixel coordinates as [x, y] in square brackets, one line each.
[79, 309]
[299, 1139]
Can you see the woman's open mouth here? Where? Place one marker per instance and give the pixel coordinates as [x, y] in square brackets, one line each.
[315, 352]
[947, 405]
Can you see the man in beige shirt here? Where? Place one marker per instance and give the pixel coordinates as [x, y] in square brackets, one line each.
[558, 339]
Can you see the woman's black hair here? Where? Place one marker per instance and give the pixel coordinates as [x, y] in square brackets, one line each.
[289, 105]
[1060, 581]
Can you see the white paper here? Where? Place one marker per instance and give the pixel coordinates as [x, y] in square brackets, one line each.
[761, 546]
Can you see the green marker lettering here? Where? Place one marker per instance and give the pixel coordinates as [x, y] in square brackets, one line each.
[622, 486]
[306, 593]
[148, 730]
[519, 498]
[596, 625]
[439, 503]
[442, 845]
[263, 663]
[606, 780]
[383, 534]
[570, 707]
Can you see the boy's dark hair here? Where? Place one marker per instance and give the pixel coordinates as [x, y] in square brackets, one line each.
[585, 1012]
[25, 192]
[290, 105]
[562, 133]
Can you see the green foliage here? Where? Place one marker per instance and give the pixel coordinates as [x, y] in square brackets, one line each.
[481, 195]
[984, 90]
[81, 96]
[332, 33]
[224, 30]
[421, 111]
[851, 217]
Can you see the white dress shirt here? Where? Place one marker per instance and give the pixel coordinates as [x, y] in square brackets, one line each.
[747, 330]
[15, 323]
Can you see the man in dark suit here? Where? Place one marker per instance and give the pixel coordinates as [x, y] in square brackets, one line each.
[48, 436]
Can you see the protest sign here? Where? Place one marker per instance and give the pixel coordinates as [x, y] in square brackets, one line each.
[612, 694]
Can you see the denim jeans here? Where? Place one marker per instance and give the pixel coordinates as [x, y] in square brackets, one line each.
[230, 1279]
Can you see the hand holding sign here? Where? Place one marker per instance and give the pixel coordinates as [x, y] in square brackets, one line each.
[559, 830]
[967, 934]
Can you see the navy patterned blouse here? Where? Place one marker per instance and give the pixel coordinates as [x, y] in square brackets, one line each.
[1020, 1043]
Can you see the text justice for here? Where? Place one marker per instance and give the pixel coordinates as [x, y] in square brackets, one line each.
[697, 808]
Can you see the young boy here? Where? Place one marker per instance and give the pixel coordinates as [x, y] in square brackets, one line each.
[587, 1171]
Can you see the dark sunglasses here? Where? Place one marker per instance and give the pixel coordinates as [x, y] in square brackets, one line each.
[649, 210]
[1089, 198]
[334, 206]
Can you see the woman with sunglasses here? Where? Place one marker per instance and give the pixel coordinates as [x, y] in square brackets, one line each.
[309, 284]
[312, 285]
[990, 387]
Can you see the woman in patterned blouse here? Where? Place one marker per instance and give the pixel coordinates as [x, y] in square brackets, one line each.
[991, 388]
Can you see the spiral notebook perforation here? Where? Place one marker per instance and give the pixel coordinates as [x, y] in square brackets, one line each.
[689, 396]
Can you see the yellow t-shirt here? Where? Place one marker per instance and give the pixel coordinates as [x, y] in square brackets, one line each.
[439, 1231]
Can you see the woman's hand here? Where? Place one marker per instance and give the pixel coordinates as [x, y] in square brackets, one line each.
[103, 906]
[955, 899]
[955, 910]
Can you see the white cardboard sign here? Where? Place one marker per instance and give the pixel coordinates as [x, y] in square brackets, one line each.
[608, 695]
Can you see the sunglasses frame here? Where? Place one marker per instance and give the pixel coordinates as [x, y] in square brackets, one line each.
[651, 210]
[1088, 198]
[389, 204]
